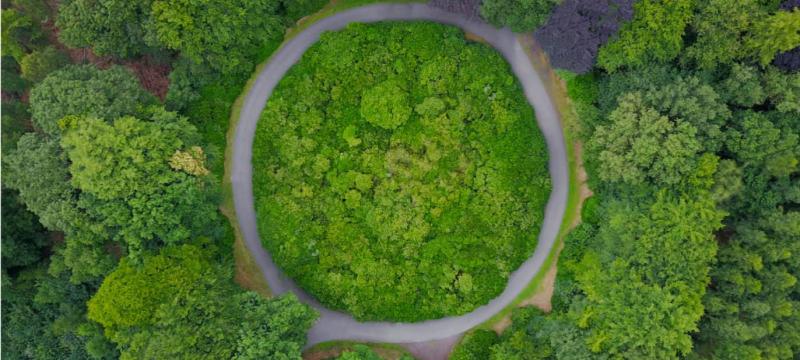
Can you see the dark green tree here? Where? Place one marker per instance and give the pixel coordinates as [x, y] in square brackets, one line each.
[86, 90]
[109, 27]
[519, 15]
[38, 64]
[193, 28]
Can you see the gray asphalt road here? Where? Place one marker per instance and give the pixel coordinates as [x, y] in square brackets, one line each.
[335, 325]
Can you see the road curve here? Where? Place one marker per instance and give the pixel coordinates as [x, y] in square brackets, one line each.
[333, 325]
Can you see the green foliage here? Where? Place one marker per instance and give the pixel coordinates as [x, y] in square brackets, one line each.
[783, 90]
[437, 205]
[23, 236]
[38, 10]
[363, 352]
[519, 15]
[193, 28]
[296, 9]
[15, 120]
[109, 27]
[641, 145]
[386, 105]
[44, 318]
[20, 34]
[743, 86]
[38, 170]
[753, 307]
[12, 83]
[527, 339]
[583, 93]
[38, 64]
[655, 35]
[773, 34]
[721, 26]
[633, 280]
[85, 90]
[123, 171]
[476, 345]
[181, 304]
[654, 280]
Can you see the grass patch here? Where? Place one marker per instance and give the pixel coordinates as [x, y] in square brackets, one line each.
[248, 275]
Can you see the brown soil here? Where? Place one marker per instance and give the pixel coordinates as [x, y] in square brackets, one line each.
[540, 298]
[474, 37]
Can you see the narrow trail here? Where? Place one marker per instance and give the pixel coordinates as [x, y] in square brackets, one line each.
[334, 325]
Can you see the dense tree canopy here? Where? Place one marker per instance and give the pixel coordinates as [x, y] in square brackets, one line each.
[109, 27]
[123, 170]
[774, 34]
[38, 170]
[654, 35]
[642, 144]
[85, 90]
[38, 64]
[23, 236]
[402, 185]
[192, 27]
[181, 304]
[114, 176]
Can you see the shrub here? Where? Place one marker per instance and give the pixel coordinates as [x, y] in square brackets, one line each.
[38, 64]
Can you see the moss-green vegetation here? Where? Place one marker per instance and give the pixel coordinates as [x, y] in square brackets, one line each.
[401, 179]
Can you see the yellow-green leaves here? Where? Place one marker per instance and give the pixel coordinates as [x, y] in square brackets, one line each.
[191, 161]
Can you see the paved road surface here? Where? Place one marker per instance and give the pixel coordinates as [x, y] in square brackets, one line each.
[334, 325]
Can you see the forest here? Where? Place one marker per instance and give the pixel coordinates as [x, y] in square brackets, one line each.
[114, 122]
[112, 244]
[688, 112]
[408, 187]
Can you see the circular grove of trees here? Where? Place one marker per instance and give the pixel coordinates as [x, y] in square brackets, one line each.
[399, 173]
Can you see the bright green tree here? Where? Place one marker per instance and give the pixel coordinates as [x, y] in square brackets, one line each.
[773, 34]
[721, 26]
[655, 35]
[195, 29]
[182, 304]
[38, 170]
[123, 170]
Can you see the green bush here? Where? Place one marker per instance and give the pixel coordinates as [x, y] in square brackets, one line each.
[476, 345]
[38, 64]
[519, 15]
[399, 173]
[296, 9]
